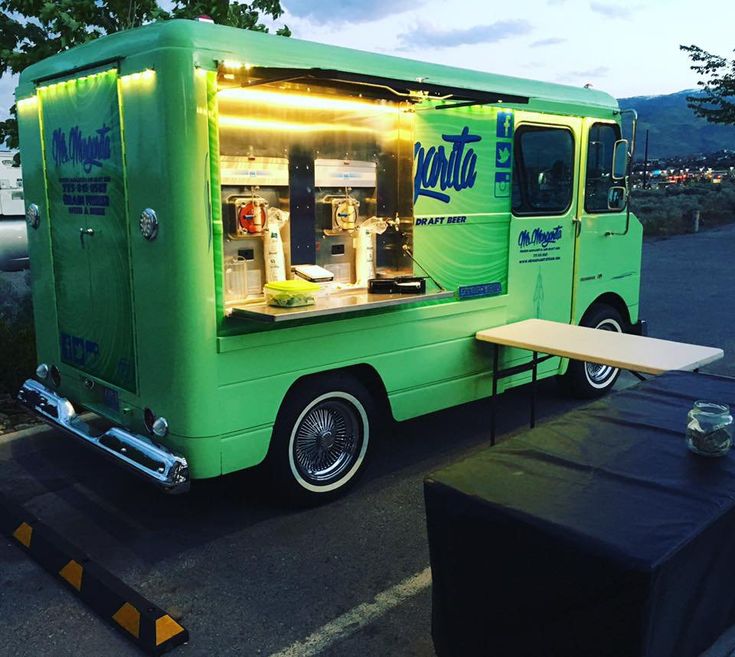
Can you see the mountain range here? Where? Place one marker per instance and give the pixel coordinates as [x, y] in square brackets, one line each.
[673, 129]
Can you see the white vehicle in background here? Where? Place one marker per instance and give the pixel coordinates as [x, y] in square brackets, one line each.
[13, 237]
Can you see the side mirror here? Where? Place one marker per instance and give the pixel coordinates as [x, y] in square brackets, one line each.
[617, 197]
[620, 159]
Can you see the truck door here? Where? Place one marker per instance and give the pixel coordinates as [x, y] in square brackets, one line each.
[83, 153]
[607, 257]
[544, 206]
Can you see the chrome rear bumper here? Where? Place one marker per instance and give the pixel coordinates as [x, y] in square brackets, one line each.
[152, 461]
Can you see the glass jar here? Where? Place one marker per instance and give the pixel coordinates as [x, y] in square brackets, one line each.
[709, 428]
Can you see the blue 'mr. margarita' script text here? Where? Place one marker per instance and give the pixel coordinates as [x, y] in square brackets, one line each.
[539, 237]
[434, 168]
[89, 151]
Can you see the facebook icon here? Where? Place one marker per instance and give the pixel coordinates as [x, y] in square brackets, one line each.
[504, 125]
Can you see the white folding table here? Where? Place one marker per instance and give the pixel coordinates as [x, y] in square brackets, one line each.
[629, 352]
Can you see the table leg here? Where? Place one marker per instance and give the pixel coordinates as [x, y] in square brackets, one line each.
[493, 397]
[534, 377]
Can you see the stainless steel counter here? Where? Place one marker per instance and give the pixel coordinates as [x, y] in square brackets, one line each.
[346, 301]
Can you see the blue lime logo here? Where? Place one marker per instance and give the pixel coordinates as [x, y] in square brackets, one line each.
[437, 169]
[78, 148]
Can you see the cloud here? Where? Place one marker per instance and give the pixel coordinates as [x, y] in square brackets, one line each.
[611, 11]
[353, 11]
[551, 41]
[587, 74]
[597, 72]
[435, 37]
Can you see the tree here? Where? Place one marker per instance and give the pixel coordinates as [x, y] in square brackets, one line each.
[716, 101]
[245, 15]
[31, 30]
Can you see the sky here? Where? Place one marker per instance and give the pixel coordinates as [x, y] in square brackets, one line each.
[627, 47]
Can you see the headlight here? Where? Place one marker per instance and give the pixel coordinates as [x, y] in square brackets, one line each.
[148, 224]
[160, 427]
[42, 371]
[33, 216]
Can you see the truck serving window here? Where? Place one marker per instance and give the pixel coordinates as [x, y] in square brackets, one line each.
[602, 139]
[543, 167]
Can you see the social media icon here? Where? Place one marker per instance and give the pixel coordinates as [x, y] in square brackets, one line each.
[502, 184]
[505, 125]
[502, 155]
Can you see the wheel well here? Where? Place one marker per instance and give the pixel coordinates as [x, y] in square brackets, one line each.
[614, 301]
[365, 374]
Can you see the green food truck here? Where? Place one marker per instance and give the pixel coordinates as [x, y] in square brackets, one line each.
[250, 249]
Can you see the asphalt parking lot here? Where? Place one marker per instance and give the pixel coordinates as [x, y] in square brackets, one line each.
[249, 578]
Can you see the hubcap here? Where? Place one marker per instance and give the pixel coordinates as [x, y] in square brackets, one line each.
[327, 441]
[599, 375]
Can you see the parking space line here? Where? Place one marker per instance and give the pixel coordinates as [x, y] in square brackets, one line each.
[358, 617]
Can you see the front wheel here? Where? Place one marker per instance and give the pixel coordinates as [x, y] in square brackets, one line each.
[320, 439]
[590, 380]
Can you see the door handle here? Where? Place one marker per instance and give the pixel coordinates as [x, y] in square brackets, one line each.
[83, 232]
[577, 221]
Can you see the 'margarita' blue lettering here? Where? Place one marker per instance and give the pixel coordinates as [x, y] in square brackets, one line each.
[434, 168]
[89, 151]
[539, 237]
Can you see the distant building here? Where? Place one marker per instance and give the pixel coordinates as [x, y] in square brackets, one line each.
[13, 238]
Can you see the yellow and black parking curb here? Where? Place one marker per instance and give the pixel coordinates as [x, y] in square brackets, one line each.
[140, 620]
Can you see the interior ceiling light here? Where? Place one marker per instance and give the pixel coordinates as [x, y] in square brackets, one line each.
[227, 121]
[305, 101]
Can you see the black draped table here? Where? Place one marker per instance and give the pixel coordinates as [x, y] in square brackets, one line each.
[596, 534]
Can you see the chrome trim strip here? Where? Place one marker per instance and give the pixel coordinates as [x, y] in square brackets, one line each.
[154, 462]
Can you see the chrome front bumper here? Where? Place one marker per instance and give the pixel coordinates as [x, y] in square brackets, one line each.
[152, 461]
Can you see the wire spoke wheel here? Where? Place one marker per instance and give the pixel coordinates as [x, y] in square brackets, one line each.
[327, 441]
[591, 380]
[598, 375]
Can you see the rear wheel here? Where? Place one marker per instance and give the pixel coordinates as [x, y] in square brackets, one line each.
[320, 439]
[590, 380]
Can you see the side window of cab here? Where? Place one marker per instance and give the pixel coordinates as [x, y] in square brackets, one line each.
[543, 171]
[598, 179]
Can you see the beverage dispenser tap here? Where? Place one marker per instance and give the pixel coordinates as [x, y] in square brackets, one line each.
[345, 213]
[251, 214]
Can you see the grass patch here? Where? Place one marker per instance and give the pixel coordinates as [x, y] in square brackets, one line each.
[17, 338]
[669, 211]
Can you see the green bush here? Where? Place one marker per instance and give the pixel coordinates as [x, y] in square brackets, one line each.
[17, 338]
[669, 211]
